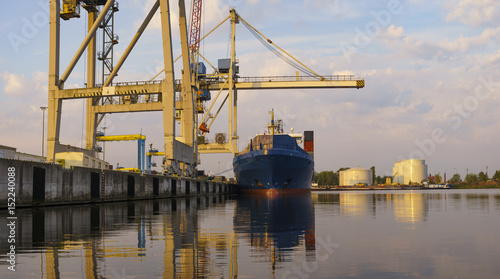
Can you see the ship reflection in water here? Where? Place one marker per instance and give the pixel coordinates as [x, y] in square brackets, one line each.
[365, 234]
[277, 226]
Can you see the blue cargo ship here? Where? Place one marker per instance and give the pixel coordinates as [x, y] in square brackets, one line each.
[275, 162]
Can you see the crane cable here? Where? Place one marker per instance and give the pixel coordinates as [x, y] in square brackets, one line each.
[275, 49]
[277, 53]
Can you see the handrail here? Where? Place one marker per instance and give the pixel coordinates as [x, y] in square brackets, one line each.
[252, 79]
[298, 78]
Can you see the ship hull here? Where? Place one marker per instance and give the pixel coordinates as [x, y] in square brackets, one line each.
[278, 170]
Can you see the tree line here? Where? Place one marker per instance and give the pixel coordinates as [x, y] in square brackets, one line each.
[472, 178]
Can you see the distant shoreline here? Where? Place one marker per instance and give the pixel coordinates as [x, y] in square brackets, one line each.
[493, 185]
[465, 186]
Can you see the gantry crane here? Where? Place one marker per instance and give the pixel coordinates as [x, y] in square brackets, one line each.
[168, 95]
[179, 151]
[151, 153]
[141, 145]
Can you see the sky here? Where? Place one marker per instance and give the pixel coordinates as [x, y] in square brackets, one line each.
[431, 70]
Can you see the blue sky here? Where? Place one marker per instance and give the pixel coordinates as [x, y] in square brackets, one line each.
[431, 71]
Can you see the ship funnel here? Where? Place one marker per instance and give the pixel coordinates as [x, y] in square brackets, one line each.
[309, 142]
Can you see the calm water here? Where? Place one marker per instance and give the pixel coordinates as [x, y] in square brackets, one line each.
[372, 234]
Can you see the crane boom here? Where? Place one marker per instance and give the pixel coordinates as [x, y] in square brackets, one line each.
[194, 34]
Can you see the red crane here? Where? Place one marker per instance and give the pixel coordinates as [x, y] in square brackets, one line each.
[194, 35]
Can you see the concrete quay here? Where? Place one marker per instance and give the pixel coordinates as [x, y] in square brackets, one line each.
[39, 184]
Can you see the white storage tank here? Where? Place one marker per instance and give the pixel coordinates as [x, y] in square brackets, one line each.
[398, 172]
[409, 171]
[354, 176]
[415, 171]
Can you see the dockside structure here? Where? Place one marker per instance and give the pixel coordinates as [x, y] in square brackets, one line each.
[37, 183]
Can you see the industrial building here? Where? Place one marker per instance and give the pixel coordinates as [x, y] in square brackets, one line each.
[355, 176]
[409, 171]
[8, 152]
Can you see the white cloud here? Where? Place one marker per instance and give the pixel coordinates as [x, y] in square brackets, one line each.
[494, 59]
[17, 85]
[394, 32]
[473, 12]
[411, 46]
[464, 44]
[333, 9]
[212, 13]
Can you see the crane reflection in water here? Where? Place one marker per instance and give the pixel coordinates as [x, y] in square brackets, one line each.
[170, 238]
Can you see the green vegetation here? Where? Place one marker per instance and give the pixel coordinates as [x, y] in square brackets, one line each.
[496, 176]
[482, 176]
[329, 178]
[476, 181]
[470, 178]
[374, 178]
[326, 178]
[455, 179]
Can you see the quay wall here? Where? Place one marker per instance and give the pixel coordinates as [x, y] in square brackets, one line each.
[38, 183]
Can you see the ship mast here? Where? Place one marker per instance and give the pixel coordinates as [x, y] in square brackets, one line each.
[275, 126]
[270, 127]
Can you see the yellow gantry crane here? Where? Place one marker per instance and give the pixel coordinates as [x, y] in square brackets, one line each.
[177, 99]
[141, 146]
[126, 97]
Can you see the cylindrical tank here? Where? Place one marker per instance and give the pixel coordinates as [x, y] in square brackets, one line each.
[415, 171]
[398, 172]
[409, 171]
[395, 173]
[354, 176]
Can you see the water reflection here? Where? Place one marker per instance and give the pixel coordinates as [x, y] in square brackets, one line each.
[98, 241]
[410, 207]
[354, 204]
[454, 234]
[276, 226]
